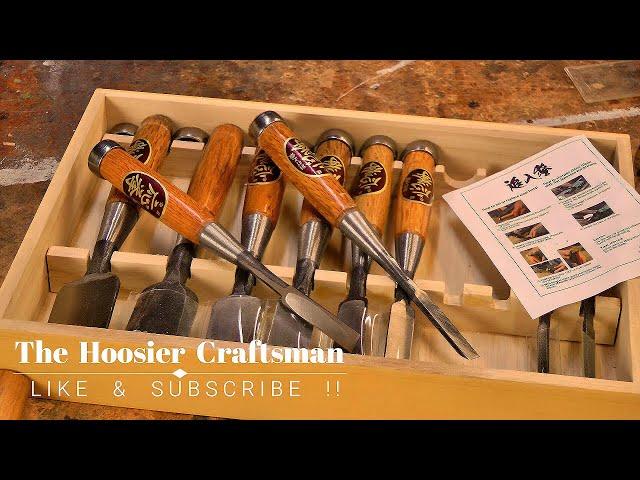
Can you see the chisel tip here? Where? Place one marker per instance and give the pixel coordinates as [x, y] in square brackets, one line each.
[444, 326]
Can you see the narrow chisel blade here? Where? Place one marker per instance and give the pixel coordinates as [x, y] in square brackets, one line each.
[443, 324]
[400, 333]
[544, 324]
[587, 310]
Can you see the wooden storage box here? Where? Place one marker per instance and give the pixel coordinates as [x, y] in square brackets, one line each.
[502, 383]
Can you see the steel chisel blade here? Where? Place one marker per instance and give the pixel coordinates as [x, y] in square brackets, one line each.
[88, 301]
[168, 308]
[235, 318]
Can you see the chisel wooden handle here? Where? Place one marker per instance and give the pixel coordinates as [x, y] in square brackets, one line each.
[14, 390]
[301, 167]
[265, 188]
[336, 156]
[149, 190]
[217, 167]
[150, 145]
[413, 207]
[155, 194]
[415, 189]
[372, 187]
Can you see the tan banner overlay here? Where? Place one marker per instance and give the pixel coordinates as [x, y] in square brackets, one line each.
[187, 375]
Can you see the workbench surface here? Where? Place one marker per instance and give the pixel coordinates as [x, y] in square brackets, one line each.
[41, 103]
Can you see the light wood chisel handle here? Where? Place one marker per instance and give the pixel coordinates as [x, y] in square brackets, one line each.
[336, 155]
[265, 188]
[334, 148]
[150, 190]
[150, 145]
[413, 208]
[260, 213]
[217, 167]
[300, 166]
[183, 214]
[372, 187]
[415, 190]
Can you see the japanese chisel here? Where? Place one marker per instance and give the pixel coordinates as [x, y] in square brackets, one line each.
[89, 301]
[587, 312]
[371, 191]
[169, 307]
[412, 212]
[544, 327]
[301, 167]
[237, 317]
[157, 196]
[334, 149]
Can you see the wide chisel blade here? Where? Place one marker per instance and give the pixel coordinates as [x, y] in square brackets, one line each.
[169, 306]
[353, 313]
[88, 301]
[235, 318]
[288, 330]
[166, 307]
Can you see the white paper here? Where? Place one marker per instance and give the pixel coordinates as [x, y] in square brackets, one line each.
[560, 226]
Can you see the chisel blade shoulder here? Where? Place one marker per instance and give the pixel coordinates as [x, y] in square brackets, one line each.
[88, 301]
[235, 318]
[168, 308]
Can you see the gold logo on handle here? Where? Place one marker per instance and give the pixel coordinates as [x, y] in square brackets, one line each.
[146, 192]
[371, 179]
[264, 170]
[418, 186]
[140, 150]
[304, 159]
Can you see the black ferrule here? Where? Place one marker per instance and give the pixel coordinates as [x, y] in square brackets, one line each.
[179, 263]
[303, 279]
[358, 281]
[100, 261]
[244, 282]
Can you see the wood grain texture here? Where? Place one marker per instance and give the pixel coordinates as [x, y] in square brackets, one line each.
[375, 205]
[14, 390]
[181, 212]
[328, 148]
[325, 193]
[157, 131]
[265, 188]
[413, 215]
[215, 171]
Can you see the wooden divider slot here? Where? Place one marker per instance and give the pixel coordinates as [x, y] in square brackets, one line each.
[213, 279]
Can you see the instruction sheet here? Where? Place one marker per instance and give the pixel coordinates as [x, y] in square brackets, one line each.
[560, 226]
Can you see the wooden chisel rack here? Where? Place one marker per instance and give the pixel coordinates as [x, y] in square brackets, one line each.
[454, 269]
